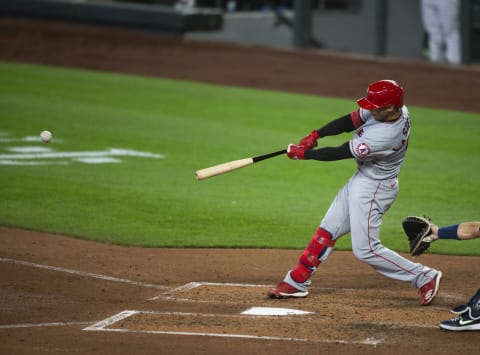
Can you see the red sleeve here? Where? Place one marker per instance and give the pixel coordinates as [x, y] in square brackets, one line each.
[356, 120]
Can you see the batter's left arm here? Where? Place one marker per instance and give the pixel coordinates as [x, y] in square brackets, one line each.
[346, 123]
[330, 153]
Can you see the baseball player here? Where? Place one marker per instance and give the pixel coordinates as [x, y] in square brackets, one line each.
[382, 128]
[441, 20]
[468, 316]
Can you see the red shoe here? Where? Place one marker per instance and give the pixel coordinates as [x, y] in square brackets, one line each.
[430, 289]
[284, 290]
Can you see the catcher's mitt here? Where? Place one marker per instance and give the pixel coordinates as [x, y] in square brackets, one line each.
[418, 230]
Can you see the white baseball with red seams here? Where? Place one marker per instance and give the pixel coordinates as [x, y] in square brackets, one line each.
[46, 136]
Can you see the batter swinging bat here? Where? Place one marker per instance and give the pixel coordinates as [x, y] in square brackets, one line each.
[233, 165]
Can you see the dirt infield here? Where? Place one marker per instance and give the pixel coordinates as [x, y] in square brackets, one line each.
[65, 295]
[59, 295]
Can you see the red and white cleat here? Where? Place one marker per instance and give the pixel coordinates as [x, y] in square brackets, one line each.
[430, 289]
[284, 290]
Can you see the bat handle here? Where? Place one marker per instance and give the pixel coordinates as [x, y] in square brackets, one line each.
[269, 155]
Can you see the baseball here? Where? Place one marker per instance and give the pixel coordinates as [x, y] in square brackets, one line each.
[46, 136]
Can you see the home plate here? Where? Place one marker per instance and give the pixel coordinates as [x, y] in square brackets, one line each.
[270, 311]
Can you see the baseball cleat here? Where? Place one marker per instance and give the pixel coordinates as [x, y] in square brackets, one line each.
[464, 307]
[465, 321]
[459, 309]
[284, 290]
[430, 289]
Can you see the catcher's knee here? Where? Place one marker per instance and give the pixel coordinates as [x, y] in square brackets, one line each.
[320, 247]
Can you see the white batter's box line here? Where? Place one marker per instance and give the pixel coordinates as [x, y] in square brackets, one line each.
[111, 320]
[169, 295]
[82, 273]
[194, 284]
[214, 315]
[102, 327]
[126, 314]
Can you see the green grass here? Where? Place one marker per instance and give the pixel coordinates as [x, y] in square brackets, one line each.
[157, 202]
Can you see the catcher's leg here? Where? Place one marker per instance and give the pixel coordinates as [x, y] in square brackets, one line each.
[320, 247]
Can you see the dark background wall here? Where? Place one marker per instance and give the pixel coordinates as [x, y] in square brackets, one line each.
[372, 27]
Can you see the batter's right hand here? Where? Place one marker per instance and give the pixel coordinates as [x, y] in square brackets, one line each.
[295, 151]
[310, 141]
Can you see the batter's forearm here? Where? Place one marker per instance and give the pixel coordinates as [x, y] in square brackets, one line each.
[330, 153]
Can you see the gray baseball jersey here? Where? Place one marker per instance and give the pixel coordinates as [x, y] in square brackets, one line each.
[379, 147]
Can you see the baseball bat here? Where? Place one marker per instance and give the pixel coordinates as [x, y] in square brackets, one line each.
[234, 165]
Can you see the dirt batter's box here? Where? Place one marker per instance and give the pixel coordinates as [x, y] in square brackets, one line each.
[243, 311]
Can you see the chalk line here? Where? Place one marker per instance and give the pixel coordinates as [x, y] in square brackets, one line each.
[101, 326]
[41, 325]
[81, 273]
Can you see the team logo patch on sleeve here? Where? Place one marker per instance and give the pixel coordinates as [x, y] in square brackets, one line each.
[363, 149]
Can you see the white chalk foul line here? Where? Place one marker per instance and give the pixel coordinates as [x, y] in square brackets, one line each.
[41, 325]
[81, 273]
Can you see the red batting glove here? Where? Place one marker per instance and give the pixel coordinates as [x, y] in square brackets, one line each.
[295, 151]
[310, 141]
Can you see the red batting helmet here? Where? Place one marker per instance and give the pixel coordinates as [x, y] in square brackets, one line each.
[382, 93]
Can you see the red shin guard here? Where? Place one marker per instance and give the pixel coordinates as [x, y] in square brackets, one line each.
[318, 249]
